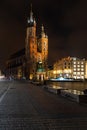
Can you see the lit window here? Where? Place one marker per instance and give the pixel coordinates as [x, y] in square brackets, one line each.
[78, 62]
[82, 62]
[82, 73]
[74, 91]
[78, 73]
[78, 65]
[74, 65]
[74, 69]
[78, 69]
[82, 66]
[74, 58]
[74, 77]
[74, 62]
[54, 71]
[74, 73]
[82, 77]
[82, 69]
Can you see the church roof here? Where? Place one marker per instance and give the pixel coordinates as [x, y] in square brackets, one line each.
[18, 54]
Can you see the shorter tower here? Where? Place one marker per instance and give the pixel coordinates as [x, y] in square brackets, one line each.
[36, 51]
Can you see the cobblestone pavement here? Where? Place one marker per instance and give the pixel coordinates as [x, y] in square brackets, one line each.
[24, 106]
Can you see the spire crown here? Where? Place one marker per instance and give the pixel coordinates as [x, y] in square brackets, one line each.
[31, 21]
[31, 14]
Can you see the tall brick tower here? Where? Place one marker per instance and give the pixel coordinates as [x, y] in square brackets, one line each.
[31, 46]
[36, 51]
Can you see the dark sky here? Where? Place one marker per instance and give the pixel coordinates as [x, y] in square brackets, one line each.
[65, 23]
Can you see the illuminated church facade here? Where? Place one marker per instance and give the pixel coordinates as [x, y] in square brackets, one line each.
[36, 50]
[33, 58]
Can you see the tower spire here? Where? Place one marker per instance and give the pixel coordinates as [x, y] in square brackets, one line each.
[31, 15]
[31, 21]
[42, 28]
[42, 31]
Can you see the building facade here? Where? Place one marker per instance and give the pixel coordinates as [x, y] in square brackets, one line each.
[15, 65]
[70, 67]
[34, 57]
[36, 50]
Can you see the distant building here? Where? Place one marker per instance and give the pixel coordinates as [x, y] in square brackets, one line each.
[70, 67]
[30, 62]
[15, 65]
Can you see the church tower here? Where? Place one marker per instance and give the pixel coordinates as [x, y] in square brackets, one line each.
[31, 46]
[43, 48]
[44, 43]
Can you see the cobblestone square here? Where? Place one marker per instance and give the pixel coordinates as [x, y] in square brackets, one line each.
[24, 106]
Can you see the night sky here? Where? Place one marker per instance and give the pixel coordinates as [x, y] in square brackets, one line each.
[65, 23]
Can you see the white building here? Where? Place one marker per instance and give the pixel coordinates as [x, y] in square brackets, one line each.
[71, 67]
